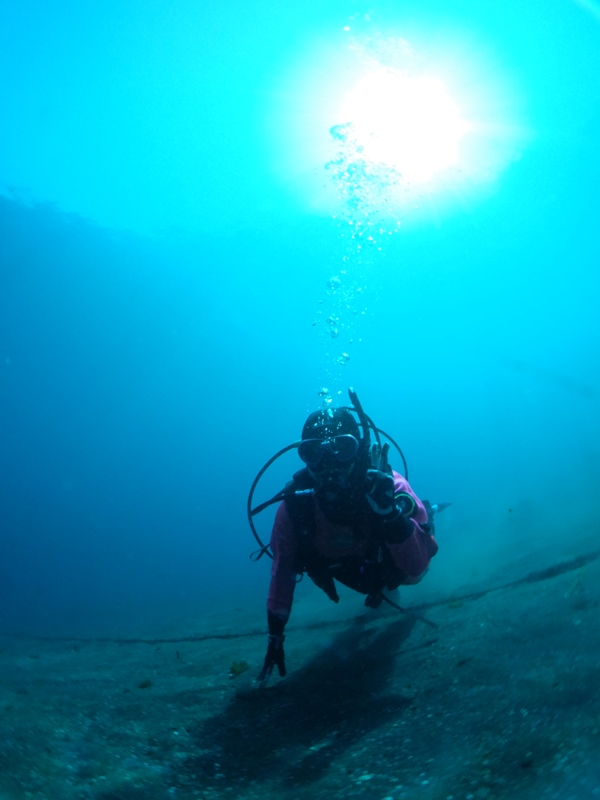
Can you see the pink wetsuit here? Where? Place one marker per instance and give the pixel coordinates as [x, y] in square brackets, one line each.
[333, 541]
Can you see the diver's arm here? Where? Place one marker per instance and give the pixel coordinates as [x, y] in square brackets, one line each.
[283, 573]
[412, 557]
[281, 593]
[410, 545]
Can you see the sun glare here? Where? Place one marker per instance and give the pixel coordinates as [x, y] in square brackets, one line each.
[372, 121]
[410, 124]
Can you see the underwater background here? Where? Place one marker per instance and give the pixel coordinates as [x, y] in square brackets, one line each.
[193, 258]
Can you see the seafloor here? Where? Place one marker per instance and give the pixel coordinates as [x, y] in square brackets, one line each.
[501, 699]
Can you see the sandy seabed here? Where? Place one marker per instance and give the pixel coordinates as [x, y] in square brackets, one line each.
[490, 693]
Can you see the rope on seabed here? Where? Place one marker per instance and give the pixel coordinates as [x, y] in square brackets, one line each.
[532, 577]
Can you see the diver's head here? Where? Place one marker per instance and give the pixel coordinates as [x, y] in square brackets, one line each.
[330, 446]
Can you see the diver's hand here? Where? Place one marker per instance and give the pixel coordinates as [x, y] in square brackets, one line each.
[275, 658]
[379, 483]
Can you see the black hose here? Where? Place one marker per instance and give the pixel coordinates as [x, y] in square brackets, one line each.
[264, 548]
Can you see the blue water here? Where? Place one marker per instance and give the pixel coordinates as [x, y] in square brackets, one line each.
[168, 267]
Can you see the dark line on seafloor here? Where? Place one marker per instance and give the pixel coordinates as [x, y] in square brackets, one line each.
[532, 577]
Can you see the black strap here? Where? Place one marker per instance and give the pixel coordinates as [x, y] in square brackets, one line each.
[300, 507]
[367, 575]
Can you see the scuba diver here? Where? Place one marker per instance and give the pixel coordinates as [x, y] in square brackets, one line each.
[347, 516]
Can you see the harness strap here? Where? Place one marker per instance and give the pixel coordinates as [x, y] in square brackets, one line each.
[367, 575]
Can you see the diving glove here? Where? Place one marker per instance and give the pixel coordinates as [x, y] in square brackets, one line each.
[379, 483]
[393, 510]
[275, 656]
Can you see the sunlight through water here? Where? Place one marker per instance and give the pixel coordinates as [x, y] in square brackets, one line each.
[409, 123]
[416, 126]
[377, 133]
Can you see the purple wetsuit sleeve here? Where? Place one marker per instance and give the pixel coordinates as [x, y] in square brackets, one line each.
[283, 574]
[413, 555]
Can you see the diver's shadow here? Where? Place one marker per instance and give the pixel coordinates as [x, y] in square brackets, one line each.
[297, 728]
